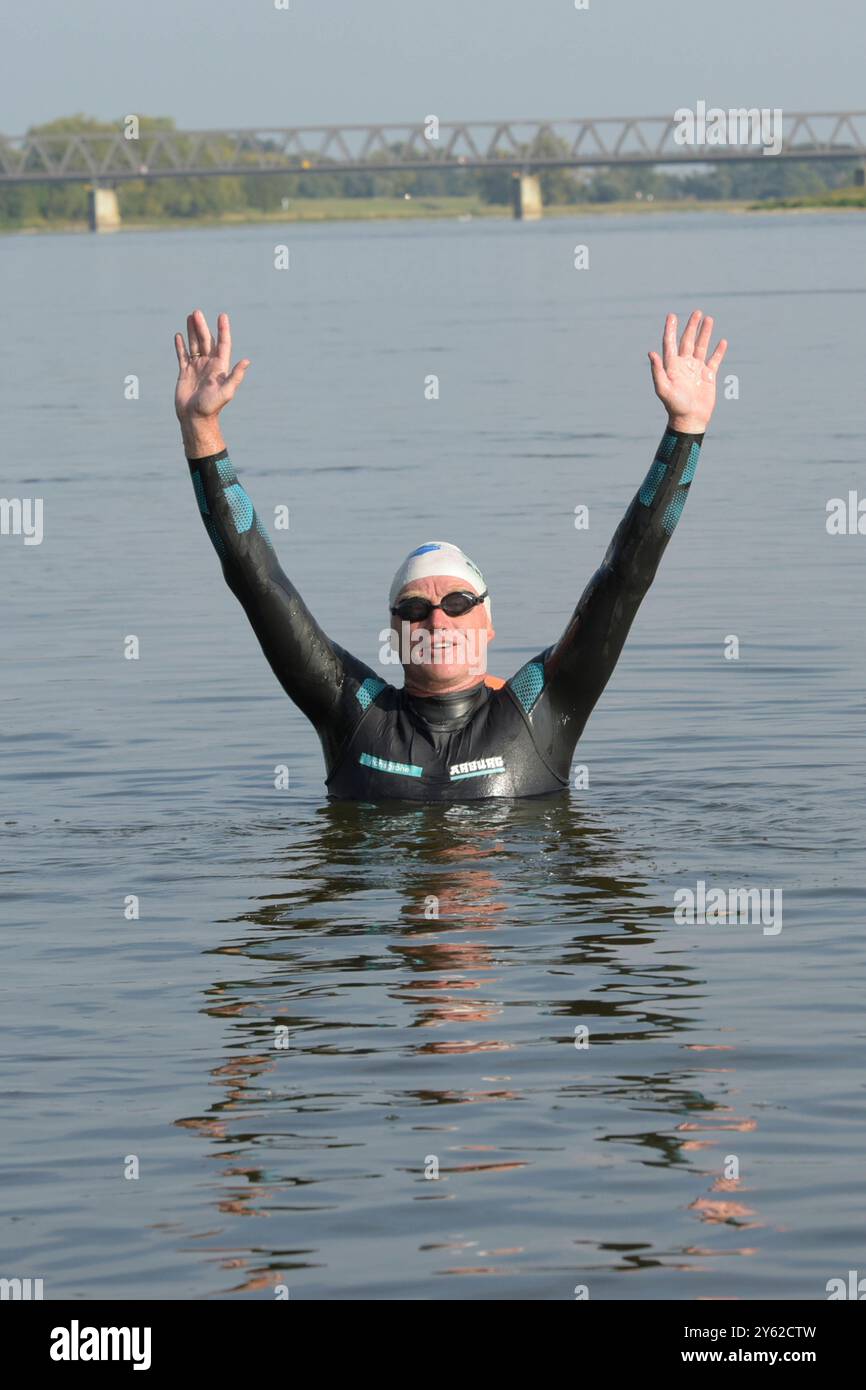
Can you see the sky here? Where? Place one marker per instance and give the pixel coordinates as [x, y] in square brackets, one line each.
[230, 63]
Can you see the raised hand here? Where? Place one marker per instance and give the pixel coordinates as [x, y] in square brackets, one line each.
[205, 382]
[684, 381]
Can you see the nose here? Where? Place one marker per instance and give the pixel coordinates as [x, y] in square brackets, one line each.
[439, 619]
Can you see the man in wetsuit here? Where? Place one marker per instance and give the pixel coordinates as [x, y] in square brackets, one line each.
[451, 733]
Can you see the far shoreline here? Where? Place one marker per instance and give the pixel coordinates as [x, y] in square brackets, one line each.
[446, 209]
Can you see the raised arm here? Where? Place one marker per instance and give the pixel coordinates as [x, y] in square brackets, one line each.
[579, 666]
[311, 668]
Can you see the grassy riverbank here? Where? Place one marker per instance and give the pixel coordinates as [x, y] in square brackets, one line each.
[838, 198]
[462, 208]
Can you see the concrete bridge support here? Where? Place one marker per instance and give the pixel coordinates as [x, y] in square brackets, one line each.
[103, 211]
[527, 197]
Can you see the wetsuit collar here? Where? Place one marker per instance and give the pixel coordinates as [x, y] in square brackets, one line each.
[450, 710]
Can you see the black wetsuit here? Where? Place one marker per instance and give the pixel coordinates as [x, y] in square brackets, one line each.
[382, 743]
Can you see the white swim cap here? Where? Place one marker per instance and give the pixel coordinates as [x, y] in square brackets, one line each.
[438, 557]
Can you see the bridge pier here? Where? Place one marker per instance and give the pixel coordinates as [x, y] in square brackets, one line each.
[860, 176]
[103, 210]
[527, 197]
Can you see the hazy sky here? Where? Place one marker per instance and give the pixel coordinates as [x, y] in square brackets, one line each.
[244, 63]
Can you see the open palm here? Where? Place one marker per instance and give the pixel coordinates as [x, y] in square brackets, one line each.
[685, 382]
[205, 381]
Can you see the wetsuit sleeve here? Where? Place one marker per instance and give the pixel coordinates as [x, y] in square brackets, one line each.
[310, 668]
[579, 666]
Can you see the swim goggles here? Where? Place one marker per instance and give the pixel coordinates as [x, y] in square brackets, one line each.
[415, 609]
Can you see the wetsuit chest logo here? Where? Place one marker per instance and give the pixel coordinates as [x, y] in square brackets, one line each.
[390, 765]
[478, 767]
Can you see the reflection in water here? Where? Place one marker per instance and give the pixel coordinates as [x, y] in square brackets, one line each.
[402, 948]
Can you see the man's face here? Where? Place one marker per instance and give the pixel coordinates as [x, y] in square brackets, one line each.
[439, 653]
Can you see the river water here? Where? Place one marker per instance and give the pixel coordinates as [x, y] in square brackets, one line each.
[284, 1042]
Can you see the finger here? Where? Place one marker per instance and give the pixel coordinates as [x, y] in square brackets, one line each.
[237, 375]
[180, 349]
[716, 359]
[660, 376]
[192, 335]
[204, 334]
[224, 341]
[704, 339]
[669, 340]
[687, 342]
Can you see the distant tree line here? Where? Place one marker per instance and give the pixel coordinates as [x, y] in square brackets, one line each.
[143, 199]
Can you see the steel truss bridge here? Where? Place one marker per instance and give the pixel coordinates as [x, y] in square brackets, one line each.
[526, 146]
